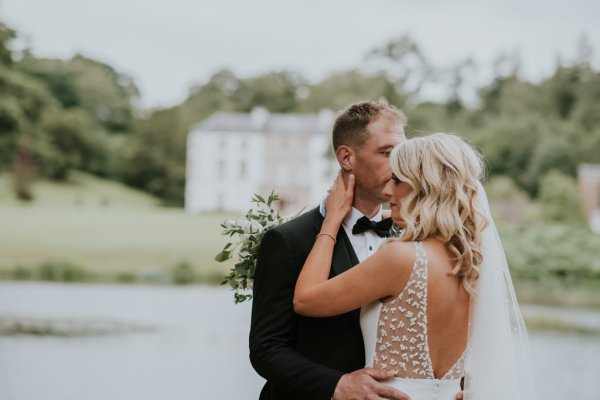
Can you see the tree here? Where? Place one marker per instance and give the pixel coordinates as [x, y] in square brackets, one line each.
[154, 159]
[276, 91]
[339, 90]
[70, 141]
[555, 150]
[215, 95]
[457, 79]
[7, 34]
[560, 200]
[82, 82]
[586, 110]
[104, 92]
[404, 65]
[22, 103]
[57, 77]
[562, 89]
[509, 95]
[508, 145]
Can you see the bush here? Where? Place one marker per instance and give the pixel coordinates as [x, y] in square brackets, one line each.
[126, 277]
[544, 252]
[22, 273]
[560, 200]
[62, 271]
[183, 273]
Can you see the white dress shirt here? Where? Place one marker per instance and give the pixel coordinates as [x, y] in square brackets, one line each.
[365, 243]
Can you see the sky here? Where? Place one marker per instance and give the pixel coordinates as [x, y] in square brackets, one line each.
[168, 46]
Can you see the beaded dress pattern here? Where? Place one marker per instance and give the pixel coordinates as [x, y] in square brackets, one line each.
[401, 344]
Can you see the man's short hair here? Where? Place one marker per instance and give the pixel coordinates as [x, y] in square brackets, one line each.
[350, 127]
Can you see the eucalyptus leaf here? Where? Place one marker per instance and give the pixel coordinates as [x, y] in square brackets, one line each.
[241, 270]
[223, 256]
[241, 275]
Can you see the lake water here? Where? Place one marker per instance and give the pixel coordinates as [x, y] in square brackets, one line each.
[193, 345]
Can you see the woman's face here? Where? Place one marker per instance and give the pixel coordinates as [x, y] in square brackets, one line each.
[397, 190]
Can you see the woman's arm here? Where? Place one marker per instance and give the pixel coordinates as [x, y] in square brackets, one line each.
[383, 274]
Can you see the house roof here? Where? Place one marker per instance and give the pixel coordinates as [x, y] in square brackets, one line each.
[260, 120]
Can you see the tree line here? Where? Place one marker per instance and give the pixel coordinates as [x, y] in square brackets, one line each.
[59, 115]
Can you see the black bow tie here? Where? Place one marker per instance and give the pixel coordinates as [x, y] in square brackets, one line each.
[381, 228]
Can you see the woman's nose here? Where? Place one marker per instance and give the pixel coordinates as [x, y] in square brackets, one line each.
[387, 190]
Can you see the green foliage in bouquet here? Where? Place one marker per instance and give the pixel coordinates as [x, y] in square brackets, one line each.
[249, 231]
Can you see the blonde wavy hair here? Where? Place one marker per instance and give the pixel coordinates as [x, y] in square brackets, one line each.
[444, 173]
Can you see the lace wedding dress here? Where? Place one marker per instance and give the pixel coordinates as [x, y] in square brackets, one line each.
[395, 336]
[496, 364]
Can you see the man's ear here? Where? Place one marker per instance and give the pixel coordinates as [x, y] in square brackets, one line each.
[346, 158]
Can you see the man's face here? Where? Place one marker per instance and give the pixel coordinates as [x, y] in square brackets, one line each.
[372, 167]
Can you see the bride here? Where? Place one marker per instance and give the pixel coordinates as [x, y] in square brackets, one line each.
[438, 305]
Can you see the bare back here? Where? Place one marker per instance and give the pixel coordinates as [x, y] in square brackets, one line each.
[422, 332]
[447, 309]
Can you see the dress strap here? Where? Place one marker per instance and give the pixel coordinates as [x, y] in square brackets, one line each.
[421, 254]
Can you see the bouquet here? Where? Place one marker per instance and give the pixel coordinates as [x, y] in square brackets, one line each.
[249, 231]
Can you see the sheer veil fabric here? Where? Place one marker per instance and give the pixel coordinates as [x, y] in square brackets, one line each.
[498, 365]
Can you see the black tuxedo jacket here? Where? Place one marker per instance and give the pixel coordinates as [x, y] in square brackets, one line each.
[300, 357]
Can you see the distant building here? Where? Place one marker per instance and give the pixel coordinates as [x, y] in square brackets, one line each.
[231, 156]
[589, 185]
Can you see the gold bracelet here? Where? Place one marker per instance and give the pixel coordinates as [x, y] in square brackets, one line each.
[327, 234]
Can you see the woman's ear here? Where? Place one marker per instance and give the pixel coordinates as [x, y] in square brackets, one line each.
[346, 158]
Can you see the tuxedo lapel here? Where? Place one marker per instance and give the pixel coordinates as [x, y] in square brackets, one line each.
[344, 256]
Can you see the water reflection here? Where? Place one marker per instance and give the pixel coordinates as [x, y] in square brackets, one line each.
[197, 348]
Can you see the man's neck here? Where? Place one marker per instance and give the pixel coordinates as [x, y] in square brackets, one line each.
[369, 208]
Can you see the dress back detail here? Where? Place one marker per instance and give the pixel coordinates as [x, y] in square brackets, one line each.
[401, 344]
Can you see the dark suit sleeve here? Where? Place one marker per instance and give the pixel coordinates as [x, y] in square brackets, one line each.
[272, 331]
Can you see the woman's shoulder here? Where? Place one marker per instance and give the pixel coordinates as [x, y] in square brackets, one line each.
[399, 259]
[436, 250]
[401, 254]
[398, 245]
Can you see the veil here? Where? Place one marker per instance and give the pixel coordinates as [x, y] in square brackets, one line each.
[497, 366]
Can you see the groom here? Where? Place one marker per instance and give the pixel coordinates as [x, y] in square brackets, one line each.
[323, 358]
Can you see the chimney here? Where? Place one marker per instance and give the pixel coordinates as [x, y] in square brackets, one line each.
[259, 117]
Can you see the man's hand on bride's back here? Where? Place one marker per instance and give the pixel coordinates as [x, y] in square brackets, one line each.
[339, 200]
[366, 384]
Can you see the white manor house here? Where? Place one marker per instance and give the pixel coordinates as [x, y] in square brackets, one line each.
[231, 156]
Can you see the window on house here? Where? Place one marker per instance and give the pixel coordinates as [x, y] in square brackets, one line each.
[221, 169]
